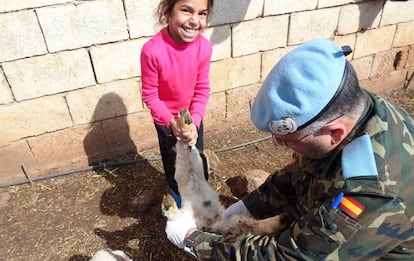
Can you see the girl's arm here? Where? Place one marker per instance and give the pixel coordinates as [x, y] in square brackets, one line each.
[150, 92]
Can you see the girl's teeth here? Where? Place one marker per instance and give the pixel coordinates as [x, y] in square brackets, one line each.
[189, 30]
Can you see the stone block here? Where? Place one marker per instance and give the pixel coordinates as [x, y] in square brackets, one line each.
[118, 60]
[33, 117]
[271, 58]
[285, 7]
[381, 84]
[64, 149]
[20, 36]
[374, 41]
[410, 83]
[142, 19]
[5, 93]
[354, 18]
[329, 3]
[233, 11]
[94, 143]
[49, 74]
[231, 73]
[363, 66]
[216, 110]
[83, 24]
[249, 181]
[410, 59]
[305, 26]
[11, 5]
[404, 34]
[264, 39]
[12, 157]
[389, 61]
[118, 134]
[220, 38]
[397, 12]
[142, 130]
[240, 100]
[105, 101]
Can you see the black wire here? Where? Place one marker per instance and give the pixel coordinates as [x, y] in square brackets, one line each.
[115, 164]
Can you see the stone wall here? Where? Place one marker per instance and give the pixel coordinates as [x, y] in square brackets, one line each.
[70, 70]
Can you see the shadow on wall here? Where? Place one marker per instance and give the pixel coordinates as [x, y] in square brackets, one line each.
[108, 137]
[109, 140]
[233, 11]
[368, 13]
[228, 11]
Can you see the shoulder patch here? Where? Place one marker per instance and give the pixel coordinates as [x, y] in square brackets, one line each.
[358, 158]
[351, 206]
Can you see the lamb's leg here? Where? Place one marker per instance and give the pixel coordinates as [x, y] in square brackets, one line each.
[196, 162]
[185, 120]
[241, 225]
[268, 226]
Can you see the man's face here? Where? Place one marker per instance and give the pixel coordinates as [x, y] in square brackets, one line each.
[315, 146]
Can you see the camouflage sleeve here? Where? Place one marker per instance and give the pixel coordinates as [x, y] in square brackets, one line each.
[325, 233]
[246, 247]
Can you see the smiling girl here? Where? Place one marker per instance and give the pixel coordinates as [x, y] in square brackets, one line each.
[175, 65]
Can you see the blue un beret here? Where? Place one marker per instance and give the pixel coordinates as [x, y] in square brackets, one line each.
[299, 87]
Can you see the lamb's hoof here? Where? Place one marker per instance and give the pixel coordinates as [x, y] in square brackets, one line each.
[169, 207]
[185, 120]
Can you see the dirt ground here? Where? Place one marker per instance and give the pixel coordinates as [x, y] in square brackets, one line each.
[71, 217]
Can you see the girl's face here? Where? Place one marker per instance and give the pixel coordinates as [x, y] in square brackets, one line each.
[187, 19]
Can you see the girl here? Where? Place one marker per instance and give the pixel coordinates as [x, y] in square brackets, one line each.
[175, 65]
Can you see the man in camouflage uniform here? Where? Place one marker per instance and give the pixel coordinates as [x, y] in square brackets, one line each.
[349, 188]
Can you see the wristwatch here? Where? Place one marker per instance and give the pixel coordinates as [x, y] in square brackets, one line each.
[189, 242]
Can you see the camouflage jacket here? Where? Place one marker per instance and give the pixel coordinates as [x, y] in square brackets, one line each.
[381, 226]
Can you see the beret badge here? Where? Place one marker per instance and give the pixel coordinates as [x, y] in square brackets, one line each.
[283, 126]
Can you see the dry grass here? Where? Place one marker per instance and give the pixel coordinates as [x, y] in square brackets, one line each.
[71, 217]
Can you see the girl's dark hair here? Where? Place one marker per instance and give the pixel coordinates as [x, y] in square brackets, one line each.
[166, 6]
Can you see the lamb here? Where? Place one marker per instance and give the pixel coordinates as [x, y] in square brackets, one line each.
[110, 255]
[201, 201]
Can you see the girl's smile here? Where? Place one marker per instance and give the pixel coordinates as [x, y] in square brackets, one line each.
[187, 19]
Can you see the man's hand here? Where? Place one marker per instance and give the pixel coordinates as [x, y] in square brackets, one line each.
[237, 208]
[177, 229]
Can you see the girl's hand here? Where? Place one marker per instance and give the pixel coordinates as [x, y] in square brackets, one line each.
[176, 129]
[189, 136]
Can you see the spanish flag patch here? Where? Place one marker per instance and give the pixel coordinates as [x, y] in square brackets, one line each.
[351, 207]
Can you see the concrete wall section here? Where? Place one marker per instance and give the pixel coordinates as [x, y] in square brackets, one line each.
[70, 86]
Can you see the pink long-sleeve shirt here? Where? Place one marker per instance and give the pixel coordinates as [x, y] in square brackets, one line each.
[175, 76]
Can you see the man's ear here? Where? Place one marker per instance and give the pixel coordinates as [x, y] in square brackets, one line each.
[337, 129]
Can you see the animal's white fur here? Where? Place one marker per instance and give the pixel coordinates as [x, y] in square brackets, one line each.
[110, 255]
[201, 201]
[197, 196]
